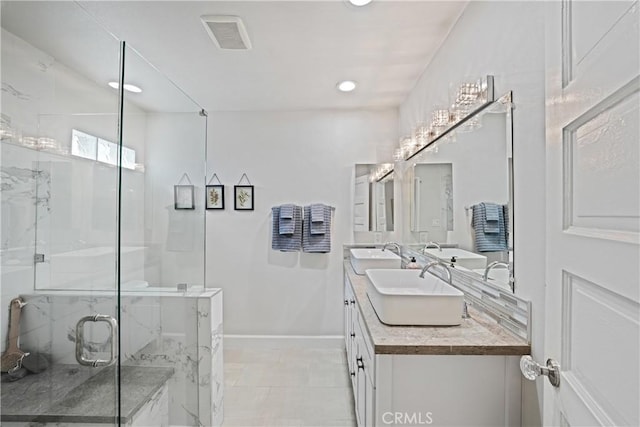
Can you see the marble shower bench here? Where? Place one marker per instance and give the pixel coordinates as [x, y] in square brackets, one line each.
[77, 395]
[159, 328]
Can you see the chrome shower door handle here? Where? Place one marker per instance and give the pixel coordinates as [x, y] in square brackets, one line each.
[113, 328]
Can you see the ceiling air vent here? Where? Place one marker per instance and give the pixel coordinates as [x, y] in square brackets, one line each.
[227, 32]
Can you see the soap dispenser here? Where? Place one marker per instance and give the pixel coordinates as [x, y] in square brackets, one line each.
[413, 265]
[453, 261]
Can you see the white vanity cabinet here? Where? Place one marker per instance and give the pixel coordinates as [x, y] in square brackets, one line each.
[442, 376]
[359, 357]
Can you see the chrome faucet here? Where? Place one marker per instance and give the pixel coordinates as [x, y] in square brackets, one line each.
[431, 245]
[394, 244]
[433, 264]
[485, 277]
[465, 310]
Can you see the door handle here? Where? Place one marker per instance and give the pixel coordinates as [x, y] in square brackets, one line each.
[531, 370]
[113, 328]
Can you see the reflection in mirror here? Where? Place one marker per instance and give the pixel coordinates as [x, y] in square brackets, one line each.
[432, 200]
[373, 200]
[459, 196]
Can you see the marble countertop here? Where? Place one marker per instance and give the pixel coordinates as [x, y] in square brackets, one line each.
[80, 394]
[478, 335]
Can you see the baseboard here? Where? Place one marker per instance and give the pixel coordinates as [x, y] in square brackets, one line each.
[284, 341]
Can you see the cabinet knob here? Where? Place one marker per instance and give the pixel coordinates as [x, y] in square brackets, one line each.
[360, 363]
[353, 334]
[353, 374]
[353, 301]
[346, 302]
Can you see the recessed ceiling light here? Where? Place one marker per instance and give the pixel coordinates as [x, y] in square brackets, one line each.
[346, 86]
[359, 2]
[126, 86]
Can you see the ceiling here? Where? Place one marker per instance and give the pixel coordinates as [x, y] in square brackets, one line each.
[300, 49]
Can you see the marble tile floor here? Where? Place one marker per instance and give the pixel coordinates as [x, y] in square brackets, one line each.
[287, 387]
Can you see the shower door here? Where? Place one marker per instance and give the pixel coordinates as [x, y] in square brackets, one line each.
[103, 224]
[165, 314]
[60, 205]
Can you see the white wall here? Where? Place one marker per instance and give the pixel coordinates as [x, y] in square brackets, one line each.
[505, 39]
[290, 157]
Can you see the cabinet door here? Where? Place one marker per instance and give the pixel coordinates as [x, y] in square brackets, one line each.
[361, 392]
[365, 374]
[369, 413]
[349, 331]
[347, 316]
[364, 395]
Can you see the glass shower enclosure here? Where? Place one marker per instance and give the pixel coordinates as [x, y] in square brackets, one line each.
[106, 319]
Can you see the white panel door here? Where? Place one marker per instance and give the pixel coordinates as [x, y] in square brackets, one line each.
[593, 212]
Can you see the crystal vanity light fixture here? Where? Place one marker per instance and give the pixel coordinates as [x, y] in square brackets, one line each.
[467, 100]
[398, 155]
[38, 143]
[383, 171]
[45, 143]
[439, 120]
[467, 94]
[408, 145]
[421, 135]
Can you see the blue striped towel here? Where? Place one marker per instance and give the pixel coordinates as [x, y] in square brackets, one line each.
[318, 213]
[489, 241]
[286, 211]
[286, 242]
[505, 216]
[492, 215]
[317, 243]
[287, 223]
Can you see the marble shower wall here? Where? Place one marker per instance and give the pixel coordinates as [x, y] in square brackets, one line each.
[46, 193]
[18, 177]
[191, 343]
[180, 330]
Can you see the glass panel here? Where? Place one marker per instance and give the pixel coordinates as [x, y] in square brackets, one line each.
[59, 208]
[162, 247]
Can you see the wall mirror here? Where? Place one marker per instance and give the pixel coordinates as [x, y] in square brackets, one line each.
[373, 201]
[458, 194]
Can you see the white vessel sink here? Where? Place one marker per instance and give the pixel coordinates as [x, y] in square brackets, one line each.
[366, 259]
[402, 297]
[464, 258]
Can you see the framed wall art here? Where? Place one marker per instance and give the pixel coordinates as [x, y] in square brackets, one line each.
[215, 196]
[183, 197]
[243, 197]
